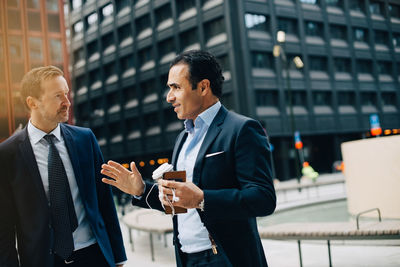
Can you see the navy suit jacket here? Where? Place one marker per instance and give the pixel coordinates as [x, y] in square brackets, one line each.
[237, 185]
[25, 214]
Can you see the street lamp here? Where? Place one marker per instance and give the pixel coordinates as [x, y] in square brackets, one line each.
[279, 51]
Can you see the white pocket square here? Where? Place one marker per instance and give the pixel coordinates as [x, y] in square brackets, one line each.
[214, 154]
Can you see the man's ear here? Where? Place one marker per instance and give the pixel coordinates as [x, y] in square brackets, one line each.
[204, 85]
[31, 102]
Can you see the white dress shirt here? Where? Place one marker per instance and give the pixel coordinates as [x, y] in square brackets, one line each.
[193, 235]
[83, 235]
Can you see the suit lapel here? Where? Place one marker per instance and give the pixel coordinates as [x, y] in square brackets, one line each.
[178, 145]
[212, 133]
[73, 155]
[26, 153]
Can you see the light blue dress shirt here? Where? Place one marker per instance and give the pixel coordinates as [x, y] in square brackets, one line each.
[83, 235]
[193, 235]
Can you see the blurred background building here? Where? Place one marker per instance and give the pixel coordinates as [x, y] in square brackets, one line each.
[32, 33]
[120, 52]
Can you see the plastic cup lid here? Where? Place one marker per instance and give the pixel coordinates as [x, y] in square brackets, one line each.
[166, 167]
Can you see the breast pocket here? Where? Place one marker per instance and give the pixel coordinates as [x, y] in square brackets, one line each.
[215, 171]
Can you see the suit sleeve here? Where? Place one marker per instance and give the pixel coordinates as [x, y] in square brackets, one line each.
[107, 207]
[8, 252]
[255, 195]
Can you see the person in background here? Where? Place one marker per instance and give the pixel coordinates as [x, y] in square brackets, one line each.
[228, 174]
[52, 200]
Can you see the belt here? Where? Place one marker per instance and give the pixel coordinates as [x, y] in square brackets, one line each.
[200, 255]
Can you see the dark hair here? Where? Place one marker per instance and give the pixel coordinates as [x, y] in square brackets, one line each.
[202, 65]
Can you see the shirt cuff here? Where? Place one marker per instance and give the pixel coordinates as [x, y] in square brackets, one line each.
[140, 197]
[121, 263]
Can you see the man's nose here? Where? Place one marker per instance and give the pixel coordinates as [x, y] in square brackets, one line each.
[170, 96]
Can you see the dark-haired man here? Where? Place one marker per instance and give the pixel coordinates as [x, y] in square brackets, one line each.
[52, 200]
[226, 159]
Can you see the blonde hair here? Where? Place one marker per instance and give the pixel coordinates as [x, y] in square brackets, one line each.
[31, 82]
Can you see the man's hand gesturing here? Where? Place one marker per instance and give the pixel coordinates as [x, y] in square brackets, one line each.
[130, 182]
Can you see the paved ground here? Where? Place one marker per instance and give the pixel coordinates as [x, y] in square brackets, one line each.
[284, 253]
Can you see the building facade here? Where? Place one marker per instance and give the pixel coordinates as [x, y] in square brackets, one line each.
[32, 34]
[121, 52]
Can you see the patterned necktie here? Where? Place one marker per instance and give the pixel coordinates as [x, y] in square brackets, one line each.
[64, 220]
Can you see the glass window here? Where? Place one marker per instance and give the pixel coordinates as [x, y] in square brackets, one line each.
[55, 50]
[287, 25]
[33, 4]
[109, 70]
[311, 2]
[92, 48]
[396, 39]
[360, 35]
[107, 41]
[388, 98]
[224, 62]
[336, 3]
[267, 98]
[322, 98]
[142, 23]
[298, 98]
[126, 63]
[13, 3]
[376, 7]
[256, 22]
[121, 4]
[17, 72]
[338, 32]
[188, 38]
[79, 55]
[92, 19]
[14, 19]
[318, 63]
[364, 66]
[384, 67]
[163, 13]
[34, 23]
[368, 99]
[166, 47]
[35, 48]
[314, 28]
[78, 27]
[381, 37]
[15, 47]
[52, 5]
[342, 65]
[107, 11]
[183, 5]
[124, 33]
[76, 4]
[394, 10]
[145, 55]
[262, 60]
[357, 5]
[53, 21]
[214, 28]
[346, 98]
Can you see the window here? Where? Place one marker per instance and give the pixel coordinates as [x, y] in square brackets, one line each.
[14, 19]
[55, 50]
[78, 27]
[108, 43]
[338, 32]
[357, 5]
[34, 22]
[127, 67]
[33, 4]
[107, 11]
[256, 22]
[184, 5]
[313, 28]
[376, 7]
[342, 65]
[298, 98]
[149, 91]
[35, 48]
[318, 63]
[262, 60]
[76, 4]
[121, 4]
[360, 35]
[224, 62]
[267, 98]
[335, 3]
[311, 2]
[289, 26]
[130, 98]
[214, 28]
[79, 56]
[396, 39]
[53, 22]
[388, 98]
[110, 73]
[125, 35]
[163, 13]
[188, 38]
[145, 56]
[92, 20]
[346, 98]
[364, 66]
[394, 10]
[52, 5]
[384, 67]
[322, 98]
[152, 123]
[166, 49]
[15, 47]
[368, 99]
[142, 24]
[93, 51]
[381, 37]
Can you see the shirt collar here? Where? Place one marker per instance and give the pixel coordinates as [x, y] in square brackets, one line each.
[36, 134]
[206, 117]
